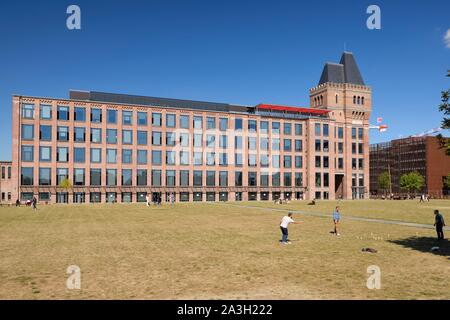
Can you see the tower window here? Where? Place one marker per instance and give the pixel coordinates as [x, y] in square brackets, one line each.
[359, 100]
[336, 99]
[354, 99]
[362, 100]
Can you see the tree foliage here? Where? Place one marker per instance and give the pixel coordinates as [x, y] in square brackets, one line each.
[412, 181]
[384, 182]
[447, 181]
[65, 184]
[445, 108]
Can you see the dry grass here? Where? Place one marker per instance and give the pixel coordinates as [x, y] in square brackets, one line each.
[211, 251]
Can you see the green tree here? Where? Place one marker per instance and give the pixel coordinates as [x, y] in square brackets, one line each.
[65, 184]
[447, 181]
[445, 108]
[412, 181]
[384, 181]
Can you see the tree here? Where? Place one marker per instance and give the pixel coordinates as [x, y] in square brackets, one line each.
[384, 181]
[412, 181]
[65, 184]
[447, 181]
[445, 108]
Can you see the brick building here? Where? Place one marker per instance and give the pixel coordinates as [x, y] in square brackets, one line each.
[116, 147]
[5, 182]
[401, 156]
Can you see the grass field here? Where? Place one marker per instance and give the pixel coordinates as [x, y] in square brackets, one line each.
[220, 251]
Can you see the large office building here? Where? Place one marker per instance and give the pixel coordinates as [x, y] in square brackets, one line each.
[401, 156]
[104, 147]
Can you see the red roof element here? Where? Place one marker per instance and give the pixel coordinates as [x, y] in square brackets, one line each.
[291, 109]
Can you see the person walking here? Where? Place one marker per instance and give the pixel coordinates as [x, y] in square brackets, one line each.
[285, 221]
[336, 220]
[34, 204]
[172, 199]
[147, 200]
[439, 223]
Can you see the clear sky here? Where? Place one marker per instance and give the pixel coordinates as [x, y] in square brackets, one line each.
[243, 52]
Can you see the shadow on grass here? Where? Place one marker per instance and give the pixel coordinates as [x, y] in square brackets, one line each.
[424, 244]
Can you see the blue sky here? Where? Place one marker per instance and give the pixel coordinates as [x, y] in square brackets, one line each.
[243, 52]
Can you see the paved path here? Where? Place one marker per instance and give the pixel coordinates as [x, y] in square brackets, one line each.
[346, 217]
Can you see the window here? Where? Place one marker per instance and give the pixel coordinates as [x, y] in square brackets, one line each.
[45, 176]
[210, 141]
[170, 120]
[298, 129]
[142, 138]
[170, 138]
[210, 159]
[298, 179]
[156, 178]
[27, 153]
[96, 115]
[318, 162]
[62, 133]
[142, 156]
[198, 178]
[298, 145]
[353, 133]
[325, 130]
[287, 145]
[142, 118]
[276, 144]
[210, 178]
[340, 133]
[156, 157]
[127, 177]
[127, 136]
[170, 158]
[238, 178]
[111, 177]
[326, 163]
[252, 181]
[353, 148]
[318, 180]
[238, 142]
[111, 136]
[264, 179]
[298, 161]
[79, 114]
[223, 178]
[63, 113]
[184, 178]
[198, 140]
[326, 180]
[317, 129]
[237, 124]
[264, 144]
[223, 159]
[46, 112]
[45, 154]
[252, 160]
[198, 158]
[275, 161]
[111, 155]
[79, 134]
[111, 116]
[26, 176]
[360, 133]
[27, 132]
[361, 164]
[127, 156]
[61, 175]
[184, 158]
[184, 139]
[287, 179]
[62, 154]
[127, 118]
[78, 177]
[252, 127]
[287, 162]
[96, 155]
[287, 129]
[318, 145]
[275, 128]
[141, 177]
[223, 142]
[156, 138]
[252, 143]
[184, 122]
[264, 160]
[170, 178]
[45, 133]
[79, 155]
[340, 147]
[198, 122]
[223, 125]
[326, 146]
[238, 159]
[156, 119]
[210, 123]
[96, 177]
[360, 148]
[96, 135]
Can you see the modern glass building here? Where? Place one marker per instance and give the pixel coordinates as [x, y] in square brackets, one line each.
[104, 147]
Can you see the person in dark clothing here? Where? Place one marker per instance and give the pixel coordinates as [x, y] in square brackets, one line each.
[439, 223]
[34, 203]
[17, 203]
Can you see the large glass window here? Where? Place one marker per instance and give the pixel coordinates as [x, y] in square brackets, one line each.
[96, 177]
[156, 157]
[79, 155]
[276, 144]
[184, 178]
[210, 141]
[210, 178]
[298, 179]
[287, 179]
[45, 133]
[264, 127]
[141, 177]
[237, 124]
[317, 130]
[287, 144]
[79, 134]
[298, 145]
[198, 140]
[198, 158]
[27, 132]
[298, 129]
[111, 177]
[156, 178]
[127, 136]
[210, 123]
[223, 142]
[252, 127]
[111, 155]
[26, 178]
[223, 178]
[111, 116]
[223, 159]
[45, 154]
[78, 177]
[223, 125]
[325, 130]
[96, 135]
[184, 158]
[142, 156]
[198, 178]
[62, 134]
[28, 111]
[298, 161]
[96, 155]
[27, 153]
[127, 177]
[170, 120]
[111, 136]
[61, 175]
[252, 179]
[63, 113]
[127, 156]
[275, 128]
[287, 129]
[340, 132]
[45, 176]
[210, 159]
[46, 112]
[156, 119]
[142, 138]
[184, 139]
[170, 138]
[156, 138]
[198, 122]
[142, 118]
[170, 178]
[170, 158]
[127, 117]
[184, 121]
[96, 115]
[79, 114]
[62, 154]
[287, 161]
[238, 178]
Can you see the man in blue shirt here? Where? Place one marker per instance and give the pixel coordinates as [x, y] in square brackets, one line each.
[336, 219]
[439, 223]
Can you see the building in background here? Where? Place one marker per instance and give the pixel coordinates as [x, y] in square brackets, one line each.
[401, 156]
[5, 182]
[121, 148]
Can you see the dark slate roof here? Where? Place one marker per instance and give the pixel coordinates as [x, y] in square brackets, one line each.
[346, 71]
[154, 101]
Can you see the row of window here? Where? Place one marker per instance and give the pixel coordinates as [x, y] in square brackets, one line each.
[6, 172]
[126, 178]
[96, 116]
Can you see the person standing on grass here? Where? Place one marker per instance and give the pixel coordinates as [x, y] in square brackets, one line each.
[34, 203]
[285, 221]
[439, 223]
[336, 220]
[172, 199]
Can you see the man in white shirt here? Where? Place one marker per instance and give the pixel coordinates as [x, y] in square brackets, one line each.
[285, 221]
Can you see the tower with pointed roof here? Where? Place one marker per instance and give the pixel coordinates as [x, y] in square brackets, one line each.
[342, 91]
